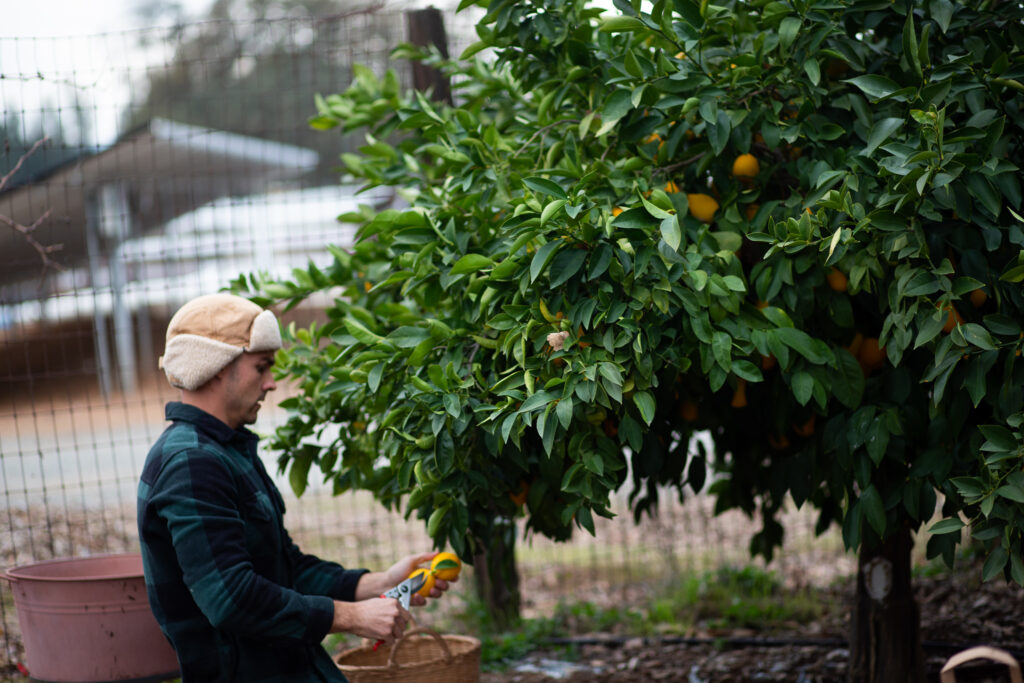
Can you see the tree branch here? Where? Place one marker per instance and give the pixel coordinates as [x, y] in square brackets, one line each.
[21, 161]
[26, 231]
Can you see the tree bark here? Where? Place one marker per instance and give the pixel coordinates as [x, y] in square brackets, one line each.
[426, 27]
[497, 578]
[885, 638]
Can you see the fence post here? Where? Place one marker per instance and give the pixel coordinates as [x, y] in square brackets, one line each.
[426, 27]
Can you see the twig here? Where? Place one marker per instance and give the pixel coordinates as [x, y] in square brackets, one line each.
[682, 164]
[21, 161]
[26, 231]
[541, 131]
[44, 251]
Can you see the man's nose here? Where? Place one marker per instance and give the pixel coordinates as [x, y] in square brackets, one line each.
[269, 384]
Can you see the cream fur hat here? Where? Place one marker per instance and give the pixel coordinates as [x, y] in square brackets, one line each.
[207, 333]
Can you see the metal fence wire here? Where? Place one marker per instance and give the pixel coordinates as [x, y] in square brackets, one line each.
[140, 169]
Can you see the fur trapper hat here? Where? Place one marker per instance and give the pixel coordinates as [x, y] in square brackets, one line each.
[209, 332]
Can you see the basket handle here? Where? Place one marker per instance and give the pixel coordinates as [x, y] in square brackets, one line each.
[981, 652]
[436, 636]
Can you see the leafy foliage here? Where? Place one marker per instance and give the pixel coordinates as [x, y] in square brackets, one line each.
[580, 283]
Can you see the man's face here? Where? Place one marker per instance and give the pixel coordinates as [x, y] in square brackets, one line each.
[246, 382]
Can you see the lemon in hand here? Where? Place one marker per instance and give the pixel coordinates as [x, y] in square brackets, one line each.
[446, 566]
[428, 584]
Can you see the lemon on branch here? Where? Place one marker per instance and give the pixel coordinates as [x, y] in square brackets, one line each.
[446, 566]
[746, 166]
[702, 206]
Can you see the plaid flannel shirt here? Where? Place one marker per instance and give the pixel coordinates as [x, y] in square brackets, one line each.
[232, 592]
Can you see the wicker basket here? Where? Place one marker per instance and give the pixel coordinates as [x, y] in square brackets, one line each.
[421, 655]
[948, 675]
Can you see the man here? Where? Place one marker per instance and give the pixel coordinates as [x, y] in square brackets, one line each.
[235, 596]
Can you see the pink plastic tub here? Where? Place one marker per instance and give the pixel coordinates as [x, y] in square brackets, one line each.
[87, 620]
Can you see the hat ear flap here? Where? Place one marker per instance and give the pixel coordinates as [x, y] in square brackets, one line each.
[265, 334]
[190, 361]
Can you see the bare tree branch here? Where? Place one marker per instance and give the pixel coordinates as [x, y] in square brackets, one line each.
[26, 231]
[44, 251]
[21, 161]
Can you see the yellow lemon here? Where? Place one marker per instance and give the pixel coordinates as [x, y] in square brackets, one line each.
[746, 166]
[702, 206]
[446, 565]
[429, 581]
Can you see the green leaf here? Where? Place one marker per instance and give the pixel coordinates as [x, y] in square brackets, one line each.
[803, 386]
[565, 265]
[880, 132]
[618, 104]
[671, 233]
[788, 30]
[635, 218]
[848, 383]
[620, 24]
[542, 257]
[645, 403]
[998, 438]
[452, 405]
[812, 70]
[551, 209]
[513, 381]
[910, 46]
[873, 508]
[407, 336]
[361, 333]
[946, 526]
[564, 411]
[995, 563]
[689, 11]
[545, 186]
[875, 87]
[942, 12]
[541, 398]
[1010, 492]
[978, 336]
[298, 475]
[802, 343]
[600, 261]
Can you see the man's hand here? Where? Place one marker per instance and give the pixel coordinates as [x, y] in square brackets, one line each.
[375, 618]
[375, 583]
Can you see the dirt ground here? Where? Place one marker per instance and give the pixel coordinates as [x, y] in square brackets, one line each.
[955, 614]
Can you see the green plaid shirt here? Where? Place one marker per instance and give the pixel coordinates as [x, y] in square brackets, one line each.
[232, 592]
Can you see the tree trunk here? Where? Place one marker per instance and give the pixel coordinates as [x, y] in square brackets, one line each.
[426, 27]
[497, 579]
[885, 638]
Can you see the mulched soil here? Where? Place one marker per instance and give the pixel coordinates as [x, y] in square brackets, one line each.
[956, 613]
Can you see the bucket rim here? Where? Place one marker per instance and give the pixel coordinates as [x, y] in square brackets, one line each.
[17, 573]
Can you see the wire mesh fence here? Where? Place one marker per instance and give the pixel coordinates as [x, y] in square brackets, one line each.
[169, 161]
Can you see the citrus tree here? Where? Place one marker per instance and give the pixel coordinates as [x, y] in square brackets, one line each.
[791, 225]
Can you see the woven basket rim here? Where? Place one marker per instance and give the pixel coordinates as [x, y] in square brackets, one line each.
[474, 644]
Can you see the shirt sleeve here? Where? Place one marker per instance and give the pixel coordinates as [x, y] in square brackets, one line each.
[196, 496]
[314, 576]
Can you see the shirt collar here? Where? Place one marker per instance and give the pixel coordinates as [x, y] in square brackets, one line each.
[184, 412]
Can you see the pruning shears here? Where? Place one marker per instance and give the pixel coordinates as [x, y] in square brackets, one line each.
[403, 593]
